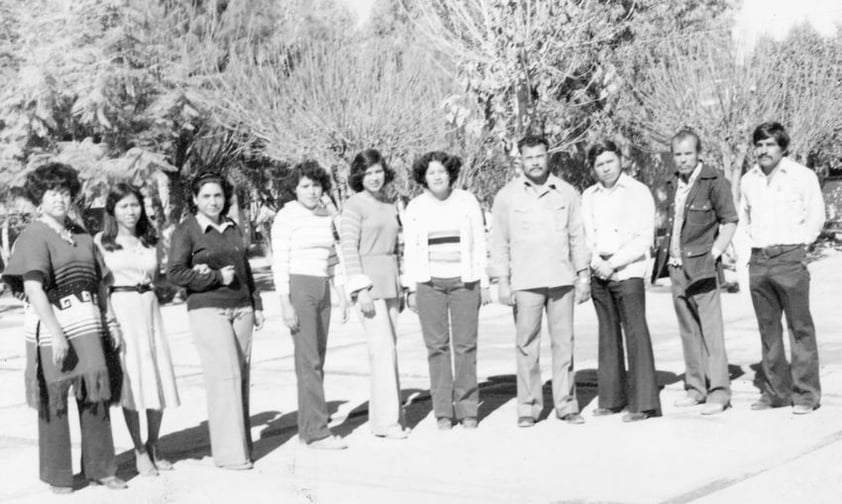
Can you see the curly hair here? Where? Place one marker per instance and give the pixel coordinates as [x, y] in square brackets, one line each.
[51, 176]
[312, 170]
[144, 230]
[211, 177]
[451, 163]
[362, 162]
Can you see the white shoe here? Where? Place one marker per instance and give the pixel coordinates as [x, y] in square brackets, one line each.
[329, 443]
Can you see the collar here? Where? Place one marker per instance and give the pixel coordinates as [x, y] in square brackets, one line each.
[783, 167]
[552, 183]
[701, 171]
[205, 223]
[622, 182]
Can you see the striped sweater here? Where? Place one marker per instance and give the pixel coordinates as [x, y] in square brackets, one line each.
[369, 232]
[444, 238]
[303, 244]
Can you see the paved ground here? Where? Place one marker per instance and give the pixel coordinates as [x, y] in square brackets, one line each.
[739, 456]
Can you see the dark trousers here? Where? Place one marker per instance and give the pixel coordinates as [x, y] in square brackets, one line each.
[448, 307]
[56, 462]
[621, 309]
[780, 284]
[698, 309]
[310, 296]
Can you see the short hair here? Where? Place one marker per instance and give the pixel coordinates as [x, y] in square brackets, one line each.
[49, 177]
[684, 134]
[600, 148]
[312, 170]
[145, 231]
[773, 130]
[211, 177]
[451, 163]
[533, 141]
[362, 162]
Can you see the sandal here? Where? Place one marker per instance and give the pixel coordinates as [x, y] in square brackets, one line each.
[144, 464]
[160, 464]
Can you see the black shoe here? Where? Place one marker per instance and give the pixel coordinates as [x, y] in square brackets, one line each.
[761, 404]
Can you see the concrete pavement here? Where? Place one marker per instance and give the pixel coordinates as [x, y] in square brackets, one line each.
[739, 456]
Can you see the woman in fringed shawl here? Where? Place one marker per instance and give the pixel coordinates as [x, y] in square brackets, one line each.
[55, 265]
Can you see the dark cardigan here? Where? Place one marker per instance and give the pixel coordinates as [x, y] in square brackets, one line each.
[192, 245]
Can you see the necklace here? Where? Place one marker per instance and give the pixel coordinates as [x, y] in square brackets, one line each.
[63, 232]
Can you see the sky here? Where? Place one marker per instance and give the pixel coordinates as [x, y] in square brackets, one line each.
[776, 17]
[756, 17]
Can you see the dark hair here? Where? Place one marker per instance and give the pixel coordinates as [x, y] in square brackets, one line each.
[362, 162]
[312, 170]
[773, 130]
[451, 163]
[684, 134]
[533, 141]
[145, 231]
[600, 148]
[49, 177]
[211, 177]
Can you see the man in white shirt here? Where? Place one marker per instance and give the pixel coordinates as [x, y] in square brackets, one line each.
[782, 208]
[619, 219]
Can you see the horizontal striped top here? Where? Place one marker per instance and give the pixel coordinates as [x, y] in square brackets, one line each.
[443, 248]
[369, 233]
[303, 243]
[444, 239]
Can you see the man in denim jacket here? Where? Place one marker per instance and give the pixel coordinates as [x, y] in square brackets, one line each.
[702, 221]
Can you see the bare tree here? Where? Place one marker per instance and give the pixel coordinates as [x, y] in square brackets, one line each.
[532, 65]
[327, 100]
[700, 83]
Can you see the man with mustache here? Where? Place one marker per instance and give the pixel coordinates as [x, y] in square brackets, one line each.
[702, 221]
[540, 259]
[782, 209]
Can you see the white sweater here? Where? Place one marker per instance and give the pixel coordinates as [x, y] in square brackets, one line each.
[463, 211]
[302, 244]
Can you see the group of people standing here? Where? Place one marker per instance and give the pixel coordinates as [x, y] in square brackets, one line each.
[93, 315]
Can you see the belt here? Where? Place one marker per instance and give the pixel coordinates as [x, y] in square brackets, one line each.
[139, 288]
[775, 250]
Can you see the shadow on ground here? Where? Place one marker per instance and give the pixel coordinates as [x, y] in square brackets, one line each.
[194, 442]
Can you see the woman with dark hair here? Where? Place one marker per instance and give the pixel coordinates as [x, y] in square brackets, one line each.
[208, 257]
[369, 234]
[55, 264]
[303, 260]
[445, 259]
[128, 245]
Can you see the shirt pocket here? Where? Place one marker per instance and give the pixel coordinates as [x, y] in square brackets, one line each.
[560, 216]
[792, 206]
[521, 222]
[700, 214]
